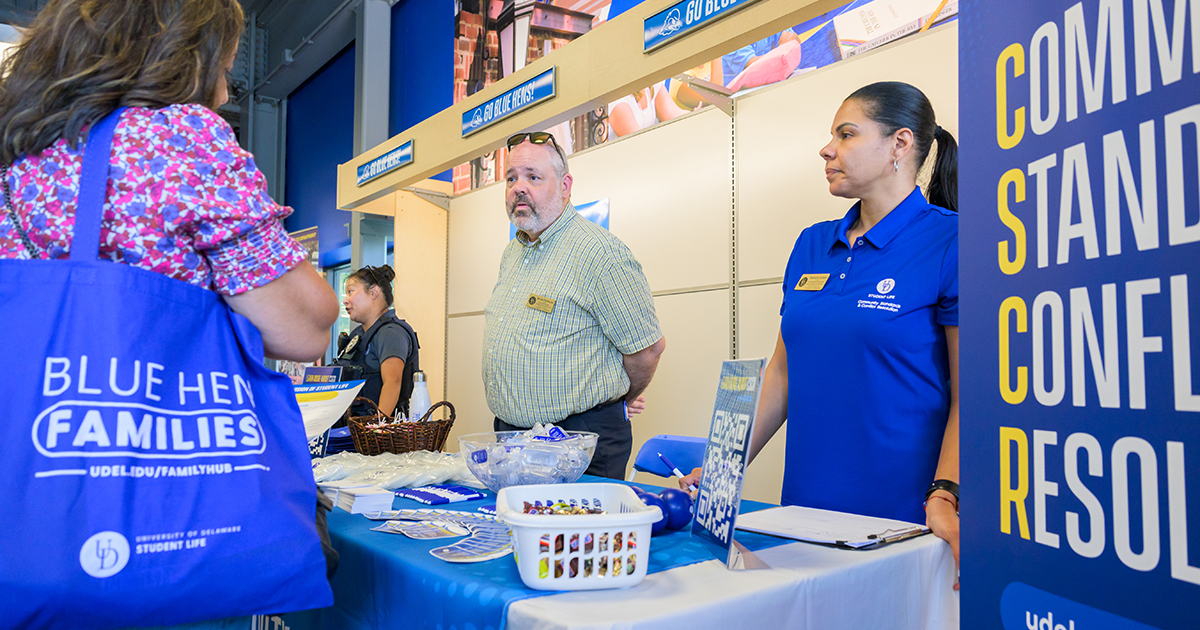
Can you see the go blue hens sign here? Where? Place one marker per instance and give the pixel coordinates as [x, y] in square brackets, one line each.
[684, 17]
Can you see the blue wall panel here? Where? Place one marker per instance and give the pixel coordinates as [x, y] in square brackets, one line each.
[422, 65]
[320, 124]
[320, 135]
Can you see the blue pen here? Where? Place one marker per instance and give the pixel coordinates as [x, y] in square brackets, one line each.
[674, 470]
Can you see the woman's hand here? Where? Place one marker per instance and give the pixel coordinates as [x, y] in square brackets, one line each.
[941, 516]
[693, 480]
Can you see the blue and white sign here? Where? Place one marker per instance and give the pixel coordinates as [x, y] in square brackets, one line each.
[725, 456]
[536, 90]
[684, 17]
[322, 374]
[1080, 314]
[386, 163]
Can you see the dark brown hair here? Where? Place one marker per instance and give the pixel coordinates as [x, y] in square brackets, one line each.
[376, 277]
[81, 59]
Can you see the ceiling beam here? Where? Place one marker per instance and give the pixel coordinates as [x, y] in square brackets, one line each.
[593, 70]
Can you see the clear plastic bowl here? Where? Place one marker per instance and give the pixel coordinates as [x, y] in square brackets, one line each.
[499, 463]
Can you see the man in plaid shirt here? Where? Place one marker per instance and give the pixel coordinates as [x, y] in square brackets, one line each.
[571, 335]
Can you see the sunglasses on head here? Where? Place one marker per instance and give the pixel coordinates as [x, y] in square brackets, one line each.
[535, 137]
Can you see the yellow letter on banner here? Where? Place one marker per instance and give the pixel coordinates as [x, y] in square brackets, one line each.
[1016, 177]
[1007, 392]
[1017, 54]
[1010, 496]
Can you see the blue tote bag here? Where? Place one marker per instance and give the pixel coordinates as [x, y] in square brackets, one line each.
[157, 473]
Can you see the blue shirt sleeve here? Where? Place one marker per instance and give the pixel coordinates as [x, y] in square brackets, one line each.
[733, 63]
[765, 45]
[947, 307]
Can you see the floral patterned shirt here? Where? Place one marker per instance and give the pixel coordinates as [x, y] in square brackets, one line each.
[183, 200]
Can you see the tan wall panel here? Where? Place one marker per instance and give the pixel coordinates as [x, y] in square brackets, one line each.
[464, 386]
[758, 329]
[669, 191]
[781, 186]
[420, 287]
[680, 399]
[478, 235]
[384, 206]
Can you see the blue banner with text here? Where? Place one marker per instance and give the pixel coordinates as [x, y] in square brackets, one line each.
[1080, 295]
[524, 96]
[682, 18]
[386, 163]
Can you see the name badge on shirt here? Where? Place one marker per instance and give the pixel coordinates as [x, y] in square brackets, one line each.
[812, 282]
[543, 304]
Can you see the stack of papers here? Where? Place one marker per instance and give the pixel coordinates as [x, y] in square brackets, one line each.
[439, 495]
[339, 440]
[828, 528]
[357, 498]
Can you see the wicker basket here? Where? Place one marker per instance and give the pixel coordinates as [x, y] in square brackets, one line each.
[400, 437]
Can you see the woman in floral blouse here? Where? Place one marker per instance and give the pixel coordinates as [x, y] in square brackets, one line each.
[183, 198]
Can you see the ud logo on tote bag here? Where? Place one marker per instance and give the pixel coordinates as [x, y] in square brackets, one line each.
[156, 472]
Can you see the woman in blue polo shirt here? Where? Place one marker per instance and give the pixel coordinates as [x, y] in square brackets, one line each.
[866, 365]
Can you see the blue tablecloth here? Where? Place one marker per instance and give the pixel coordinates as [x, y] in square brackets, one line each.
[391, 581]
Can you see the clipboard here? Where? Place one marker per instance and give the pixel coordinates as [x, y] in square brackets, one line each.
[829, 528]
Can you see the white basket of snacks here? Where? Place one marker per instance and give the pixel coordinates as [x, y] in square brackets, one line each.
[578, 536]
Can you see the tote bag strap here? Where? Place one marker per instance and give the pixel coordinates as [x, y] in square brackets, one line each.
[93, 183]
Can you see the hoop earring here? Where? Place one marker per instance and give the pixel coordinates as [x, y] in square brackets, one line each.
[896, 165]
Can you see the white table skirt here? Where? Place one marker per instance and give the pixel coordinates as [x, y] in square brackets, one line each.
[907, 585]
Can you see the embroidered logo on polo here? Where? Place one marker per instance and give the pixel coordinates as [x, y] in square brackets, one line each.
[884, 300]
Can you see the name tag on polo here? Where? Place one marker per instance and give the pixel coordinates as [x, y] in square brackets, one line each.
[812, 282]
[543, 304]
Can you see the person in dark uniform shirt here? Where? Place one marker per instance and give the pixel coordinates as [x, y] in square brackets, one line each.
[383, 349]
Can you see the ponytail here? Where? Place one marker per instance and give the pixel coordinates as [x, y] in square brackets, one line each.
[943, 182]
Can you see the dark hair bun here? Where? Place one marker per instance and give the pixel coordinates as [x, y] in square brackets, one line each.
[386, 273]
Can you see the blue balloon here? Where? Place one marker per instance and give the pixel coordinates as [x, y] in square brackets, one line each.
[679, 508]
[661, 524]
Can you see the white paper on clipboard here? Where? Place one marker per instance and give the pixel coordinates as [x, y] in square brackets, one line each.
[827, 527]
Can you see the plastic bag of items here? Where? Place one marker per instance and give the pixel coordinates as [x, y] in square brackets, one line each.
[392, 471]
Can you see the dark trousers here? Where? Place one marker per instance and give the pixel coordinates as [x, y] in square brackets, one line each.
[614, 445]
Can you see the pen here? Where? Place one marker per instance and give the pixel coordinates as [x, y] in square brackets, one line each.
[675, 470]
[884, 539]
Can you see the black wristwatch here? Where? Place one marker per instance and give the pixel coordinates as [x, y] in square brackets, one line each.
[943, 484]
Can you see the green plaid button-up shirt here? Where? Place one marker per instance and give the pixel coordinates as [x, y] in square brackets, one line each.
[543, 367]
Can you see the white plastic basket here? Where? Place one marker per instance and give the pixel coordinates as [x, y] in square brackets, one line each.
[582, 551]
